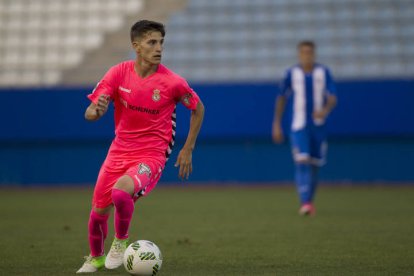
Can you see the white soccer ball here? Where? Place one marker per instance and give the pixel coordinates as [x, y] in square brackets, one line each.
[143, 258]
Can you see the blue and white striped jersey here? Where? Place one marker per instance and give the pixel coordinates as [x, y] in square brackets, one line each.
[309, 91]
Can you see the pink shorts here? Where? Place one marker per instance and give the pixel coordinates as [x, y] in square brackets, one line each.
[145, 172]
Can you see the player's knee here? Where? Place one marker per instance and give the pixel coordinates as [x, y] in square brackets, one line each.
[126, 184]
[102, 211]
[303, 161]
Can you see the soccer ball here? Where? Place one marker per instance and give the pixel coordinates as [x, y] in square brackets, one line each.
[143, 258]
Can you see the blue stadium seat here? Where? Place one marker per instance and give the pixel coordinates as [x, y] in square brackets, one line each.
[40, 39]
[348, 33]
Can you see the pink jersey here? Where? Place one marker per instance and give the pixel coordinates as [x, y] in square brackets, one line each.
[145, 118]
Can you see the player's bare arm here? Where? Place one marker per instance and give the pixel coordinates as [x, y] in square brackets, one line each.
[331, 102]
[277, 132]
[96, 111]
[184, 160]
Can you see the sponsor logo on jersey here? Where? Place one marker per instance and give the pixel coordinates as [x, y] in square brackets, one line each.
[144, 109]
[156, 95]
[139, 108]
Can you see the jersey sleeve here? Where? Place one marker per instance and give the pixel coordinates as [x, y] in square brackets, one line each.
[186, 95]
[107, 85]
[330, 84]
[286, 85]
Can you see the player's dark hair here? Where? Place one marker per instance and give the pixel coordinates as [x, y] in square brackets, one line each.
[306, 43]
[140, 28]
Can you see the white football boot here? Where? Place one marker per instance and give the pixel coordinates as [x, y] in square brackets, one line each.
[92, 264]
[115, 256]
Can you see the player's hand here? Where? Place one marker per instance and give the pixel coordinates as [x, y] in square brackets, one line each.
[184, 161]
[320, 115]
[102, 106]
[277, 134]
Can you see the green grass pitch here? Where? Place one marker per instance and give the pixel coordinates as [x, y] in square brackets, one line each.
[220, 231]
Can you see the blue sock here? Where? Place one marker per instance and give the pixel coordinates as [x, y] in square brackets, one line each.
[304, 182]
[314, 181]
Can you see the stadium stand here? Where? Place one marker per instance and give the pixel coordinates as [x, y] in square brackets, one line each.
[117, 46]
[51, 42]
[358, 39]
[40, 39]
[75, 42]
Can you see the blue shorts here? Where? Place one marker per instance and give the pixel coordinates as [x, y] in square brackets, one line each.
[309, 144]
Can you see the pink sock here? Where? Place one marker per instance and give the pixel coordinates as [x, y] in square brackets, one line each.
[98, 230]
[124, 208]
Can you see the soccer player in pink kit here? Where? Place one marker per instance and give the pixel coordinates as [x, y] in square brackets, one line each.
[145, 94]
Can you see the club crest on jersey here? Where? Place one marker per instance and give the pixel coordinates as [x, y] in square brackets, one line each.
[144, 169]
[156, 95]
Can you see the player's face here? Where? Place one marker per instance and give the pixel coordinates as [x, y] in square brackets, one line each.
[306, 55]
[150, 47]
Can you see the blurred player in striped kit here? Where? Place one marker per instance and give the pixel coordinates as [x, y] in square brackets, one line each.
[313, 91]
